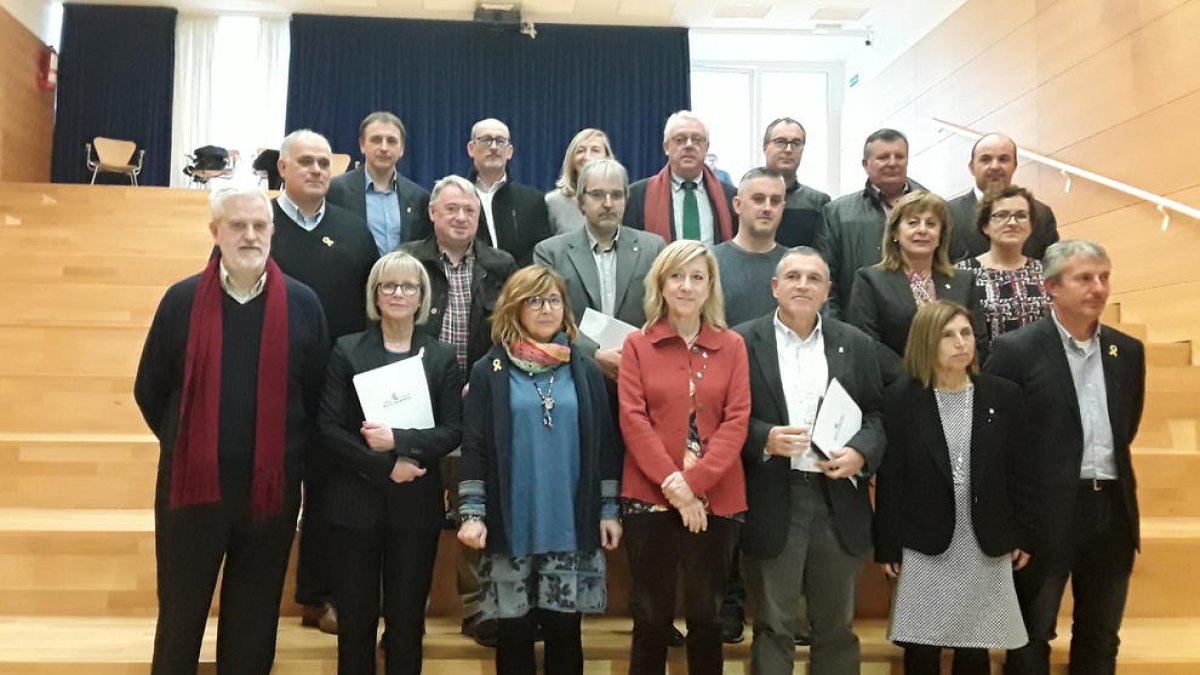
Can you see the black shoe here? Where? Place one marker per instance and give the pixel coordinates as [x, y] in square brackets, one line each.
[676, 639]
[733, 630]
[322, 617]
[485, 632]
[803, 640]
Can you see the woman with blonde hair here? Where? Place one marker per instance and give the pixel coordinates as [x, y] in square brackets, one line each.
[915, 270]
[952, 511]
[684, 390]
[383, 500]
[539, 476]
[587, 145]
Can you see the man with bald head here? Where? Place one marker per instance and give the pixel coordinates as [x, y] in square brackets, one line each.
[515, 218]
[993, 163]
[330, 250]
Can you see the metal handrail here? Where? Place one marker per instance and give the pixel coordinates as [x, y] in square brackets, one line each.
[1068, 170]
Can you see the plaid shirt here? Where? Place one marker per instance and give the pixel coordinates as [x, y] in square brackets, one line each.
[458, 305]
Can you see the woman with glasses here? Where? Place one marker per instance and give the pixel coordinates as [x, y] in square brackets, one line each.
[952, 511]
[684, 391]
[915, 270]
[587, 145]
[540, 472]
[384, 498]
[1012, 283]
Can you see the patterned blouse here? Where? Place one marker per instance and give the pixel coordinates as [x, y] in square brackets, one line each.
[1012, 298]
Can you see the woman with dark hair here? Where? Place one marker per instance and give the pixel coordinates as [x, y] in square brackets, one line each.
[914, 271]
[951, 508]
[383, 499]
[1012, 283]
[540, 475]
[684, 390]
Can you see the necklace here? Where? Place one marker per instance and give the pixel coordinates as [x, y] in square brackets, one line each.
[547, 399]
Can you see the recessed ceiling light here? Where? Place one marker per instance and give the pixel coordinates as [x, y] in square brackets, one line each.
[839, 13]
[742, 11]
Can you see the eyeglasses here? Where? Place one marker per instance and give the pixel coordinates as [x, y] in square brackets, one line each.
[694, 139]
[600, 195]
[787, 143]
[498, 142]
[1001, 217]
[390, 288]
[539, 301]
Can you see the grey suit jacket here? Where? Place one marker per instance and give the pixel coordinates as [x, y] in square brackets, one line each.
[967, 242]
[349, 191]
[570, 255]
[852, 359]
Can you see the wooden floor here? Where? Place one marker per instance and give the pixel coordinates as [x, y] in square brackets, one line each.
[81, 272]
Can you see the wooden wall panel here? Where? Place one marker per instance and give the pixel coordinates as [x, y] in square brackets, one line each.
[26, 112]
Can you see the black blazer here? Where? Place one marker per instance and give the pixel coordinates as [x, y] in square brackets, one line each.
[967, 242]
[487, 449]
[635, 209]
[359, 492]
[520, 217]
[852, 359]
[349, 191]
[914, 492]
[492, 268]
[882, 306]
[1034, 358]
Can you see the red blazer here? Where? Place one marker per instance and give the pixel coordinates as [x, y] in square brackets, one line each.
[653, 394]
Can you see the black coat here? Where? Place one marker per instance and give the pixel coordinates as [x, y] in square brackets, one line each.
[914, 492]
[1034, 358]
[349, 191]
[521, 220]
[359, 492]
[492, 268]
[852, 359]
[487, 449]
[882, 306]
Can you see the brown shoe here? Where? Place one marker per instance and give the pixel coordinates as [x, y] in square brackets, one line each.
[322, 617]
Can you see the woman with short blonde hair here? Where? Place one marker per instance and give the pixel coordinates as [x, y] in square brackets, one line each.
[684, 392]
[539, 476]
[587, 145]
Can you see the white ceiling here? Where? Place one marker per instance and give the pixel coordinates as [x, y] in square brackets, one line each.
[722, 14]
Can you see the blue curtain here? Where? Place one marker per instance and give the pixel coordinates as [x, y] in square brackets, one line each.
[116, 79]
[441, 77]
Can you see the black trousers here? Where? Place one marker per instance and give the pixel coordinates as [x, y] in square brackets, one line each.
[563, 644]
[191, 544]
[659, 546]
[403, 559]
[1098, 561]
[927, 660]
[314, 568]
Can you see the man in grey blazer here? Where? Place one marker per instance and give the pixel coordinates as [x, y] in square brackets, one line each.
[604, 265]
[395, 208]
[809, 517]
[993, 163]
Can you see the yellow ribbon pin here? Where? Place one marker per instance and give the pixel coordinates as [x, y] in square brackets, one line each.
[1112, 350]
[327, 241]
[495, 365]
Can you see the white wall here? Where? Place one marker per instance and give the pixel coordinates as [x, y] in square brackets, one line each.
[42, 17]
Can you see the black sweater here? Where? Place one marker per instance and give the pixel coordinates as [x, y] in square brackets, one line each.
[333, 260]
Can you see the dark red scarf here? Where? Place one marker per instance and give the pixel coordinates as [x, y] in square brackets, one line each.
[658, 209]
[194, 471]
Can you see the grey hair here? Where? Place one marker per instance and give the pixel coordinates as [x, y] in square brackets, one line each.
[759, 172]
[682, 116]
[807, 251]
[285, 148]
[218, 198]
[601, 168]
[1059, 254]
[451, 181]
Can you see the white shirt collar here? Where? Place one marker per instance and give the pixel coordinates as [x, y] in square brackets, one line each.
[242, 296]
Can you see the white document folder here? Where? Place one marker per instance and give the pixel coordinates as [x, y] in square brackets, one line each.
[396, 394]
[608, 332]
[838, 419]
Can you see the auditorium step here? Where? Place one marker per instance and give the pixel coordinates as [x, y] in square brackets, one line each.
[106, 646]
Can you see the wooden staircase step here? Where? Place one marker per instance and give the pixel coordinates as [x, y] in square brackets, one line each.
[1168, 354]
[32, 404]
[65, 267]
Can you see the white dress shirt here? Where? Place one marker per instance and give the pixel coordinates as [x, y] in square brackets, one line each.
[804, 373]
[486, 194]
[705, 208]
